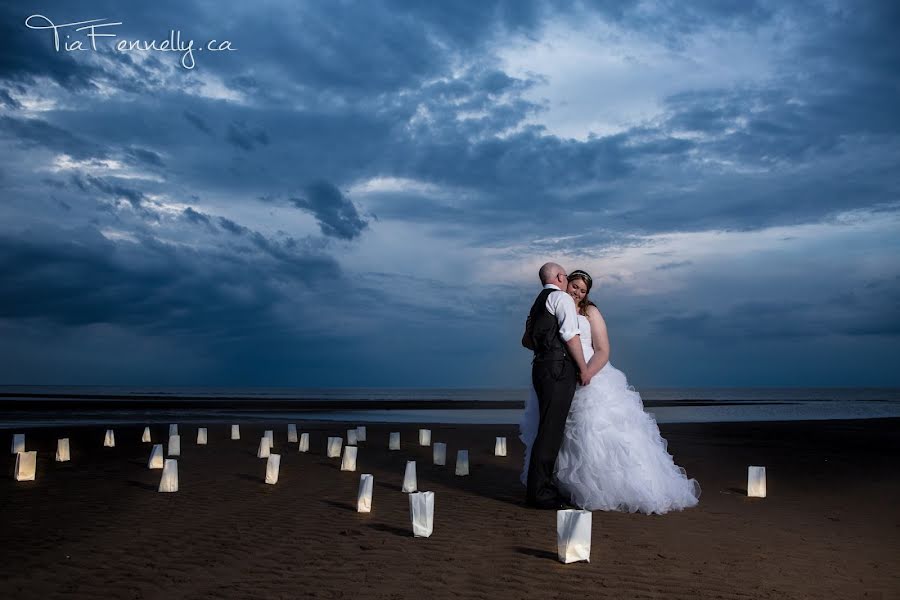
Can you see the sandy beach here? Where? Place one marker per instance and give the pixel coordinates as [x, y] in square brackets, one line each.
[97, 528]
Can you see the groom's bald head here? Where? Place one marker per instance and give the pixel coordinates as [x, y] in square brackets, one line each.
[550, 273]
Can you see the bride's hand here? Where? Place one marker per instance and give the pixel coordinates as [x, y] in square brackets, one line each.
[585, 378]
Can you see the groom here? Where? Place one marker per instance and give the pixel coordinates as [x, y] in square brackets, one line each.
[551, 332]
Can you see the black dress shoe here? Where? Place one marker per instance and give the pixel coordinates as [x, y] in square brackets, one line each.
[556, 504]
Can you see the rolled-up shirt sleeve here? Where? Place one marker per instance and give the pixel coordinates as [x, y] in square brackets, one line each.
[561, 304]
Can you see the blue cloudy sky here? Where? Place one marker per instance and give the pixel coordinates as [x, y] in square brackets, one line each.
[361, 193]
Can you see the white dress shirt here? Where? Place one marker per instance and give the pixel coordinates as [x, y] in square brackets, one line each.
[561, 304]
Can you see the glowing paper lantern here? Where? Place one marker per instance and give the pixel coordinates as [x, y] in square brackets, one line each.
[174, 448]
[169, 480]
[348, 463]
[500, 446]
[62, 450]
[351, 437]
[264, 449]
[394, 443]
[272, 467]
[361, 433]
[156, 457]
[462, 462]
[756, 482]
[424, 437]
[304, 442]
[201, 436]
[292, 433]
[146, 435]
[173, 429]
[334, 447]
[421, 513]
[271, 435]
[109, 440]
[235, 432]
[573, 535]
[26, 464]
[18, 443]
[440, 453]
[364, 497]
[409, 477]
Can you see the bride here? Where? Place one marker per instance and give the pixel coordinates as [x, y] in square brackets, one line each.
[612, 455]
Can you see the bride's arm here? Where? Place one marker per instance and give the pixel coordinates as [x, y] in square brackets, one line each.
[599, 340]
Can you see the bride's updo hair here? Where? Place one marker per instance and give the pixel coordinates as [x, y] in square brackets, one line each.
[588, 282]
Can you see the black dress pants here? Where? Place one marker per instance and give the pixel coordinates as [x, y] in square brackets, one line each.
[554, 383]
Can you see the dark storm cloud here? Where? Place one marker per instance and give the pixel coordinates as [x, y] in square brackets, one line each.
[335, 213]
[246, 138]
[111, 187]
[197, 122]
[341, 93]
[868, 311]
[28, 53]
[78, 277]
[144, 156]
[197, 217]
[31, 133]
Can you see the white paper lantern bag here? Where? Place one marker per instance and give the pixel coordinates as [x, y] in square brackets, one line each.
[292, 433]
[271, 435]
[109, 440]
[272, 467]
[26, 464]
[409, 477]
[169, 480]
[304, 442]
[424, 437]
[351, 437]
[235, 432]
[756, 482]
[62, 450]
[361, 433]
[462, 462]
[145, 437]
[201, 436]
[174, 445]
[173, 429]
[156, 457]
[500, 446]
[440, 453]
[421, 513]
[264, 449]
[334, 447]
[573, 535]
[348, 463]
[18, 443]
[364, 497]
[394, 442]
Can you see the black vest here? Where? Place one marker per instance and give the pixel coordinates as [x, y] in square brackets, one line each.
[543, 329]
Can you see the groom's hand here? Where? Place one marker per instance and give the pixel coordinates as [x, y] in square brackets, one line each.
[585, 377]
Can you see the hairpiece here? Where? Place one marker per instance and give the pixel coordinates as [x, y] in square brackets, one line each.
[584, 275]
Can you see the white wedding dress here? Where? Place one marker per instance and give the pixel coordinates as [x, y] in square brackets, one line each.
[612, 455]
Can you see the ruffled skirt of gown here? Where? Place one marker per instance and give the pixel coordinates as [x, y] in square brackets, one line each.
[612, 455]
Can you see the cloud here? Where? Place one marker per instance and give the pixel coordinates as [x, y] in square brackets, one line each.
[336, 215]
[648, 142]
[245, 138]
[34, 132]
[197, 122]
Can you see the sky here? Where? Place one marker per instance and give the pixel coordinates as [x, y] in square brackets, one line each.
[361, 193]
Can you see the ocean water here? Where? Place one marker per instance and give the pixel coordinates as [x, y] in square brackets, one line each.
[650, 394]
[668, 405]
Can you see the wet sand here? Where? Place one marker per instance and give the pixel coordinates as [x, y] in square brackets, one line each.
[97, 528]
